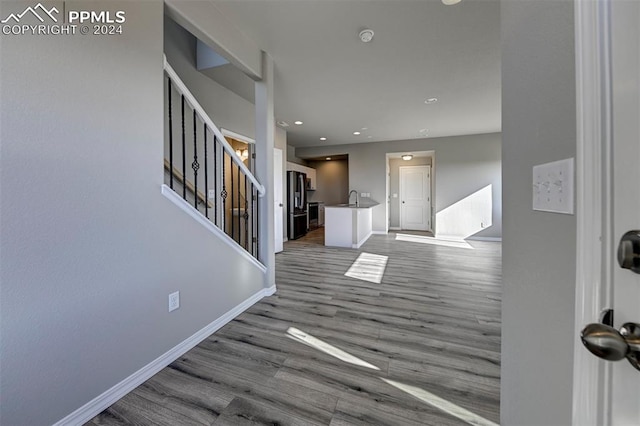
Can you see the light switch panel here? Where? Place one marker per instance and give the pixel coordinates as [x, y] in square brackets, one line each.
[553, 187]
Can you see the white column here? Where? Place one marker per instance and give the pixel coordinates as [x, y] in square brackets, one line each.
[265, 136]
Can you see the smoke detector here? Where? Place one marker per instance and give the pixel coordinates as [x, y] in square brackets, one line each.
[366, 35]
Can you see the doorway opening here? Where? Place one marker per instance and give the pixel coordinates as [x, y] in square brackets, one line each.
[411, 192]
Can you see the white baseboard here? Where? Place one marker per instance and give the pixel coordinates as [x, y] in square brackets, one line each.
[379, 232]
[494, 239]
[106, 399]
[395, 228]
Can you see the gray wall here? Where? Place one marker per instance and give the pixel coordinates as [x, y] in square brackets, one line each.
[463, 165]
[394, 184]
[291, 156]
[538, 120]
[332, 179]
[226, 109]
[90, 248]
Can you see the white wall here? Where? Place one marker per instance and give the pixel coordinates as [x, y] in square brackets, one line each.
[90, 248]
[463, 165]
[539, 125]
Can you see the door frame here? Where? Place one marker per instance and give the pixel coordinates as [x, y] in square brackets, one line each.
[592, 377]
[400, 169]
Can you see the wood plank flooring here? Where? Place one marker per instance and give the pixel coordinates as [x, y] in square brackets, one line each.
[422, 347]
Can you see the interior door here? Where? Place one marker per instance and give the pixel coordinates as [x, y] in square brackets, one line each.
[415, 198]
[278, 209]
[625, 50]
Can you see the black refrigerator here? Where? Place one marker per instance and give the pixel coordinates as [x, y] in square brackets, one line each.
[296, 204]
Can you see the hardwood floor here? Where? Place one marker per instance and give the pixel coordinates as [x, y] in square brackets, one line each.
[421, 347]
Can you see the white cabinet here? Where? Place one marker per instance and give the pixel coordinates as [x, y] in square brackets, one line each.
[311, 173]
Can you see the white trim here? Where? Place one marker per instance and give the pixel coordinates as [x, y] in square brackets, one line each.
[395, 228]
[237, 136]
[202, 220]
[429, 227]
[496, 239]
[362, 241]
[107, 398]
[379, 232]
[591, 383]
[182, 88]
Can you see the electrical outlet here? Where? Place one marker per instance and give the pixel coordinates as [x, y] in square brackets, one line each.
[212, 194]
[174, 301]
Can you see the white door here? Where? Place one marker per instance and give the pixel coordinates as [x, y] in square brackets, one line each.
[608, 74]
[278, 209]
[625, 50]
[415, 198]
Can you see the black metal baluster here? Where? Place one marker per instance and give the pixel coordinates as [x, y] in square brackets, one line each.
[239, 195]
[258, 228]
[232, 202]
[170, 135]
[206, 176]
[215, 179]
[253, 218]
[223, 194]
[184, 157]
[246, 215]
[195, 165]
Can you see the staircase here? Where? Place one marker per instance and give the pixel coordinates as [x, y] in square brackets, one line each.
[205, 171]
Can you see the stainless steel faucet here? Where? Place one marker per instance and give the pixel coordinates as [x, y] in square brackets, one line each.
[357, 198]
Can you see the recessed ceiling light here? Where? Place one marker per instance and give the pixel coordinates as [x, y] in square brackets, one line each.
[424, 130]
[364, 128]
[366, 35]
[328, 158]
[407, 157]
[450, 2]
[297, 123]
[323, 138]
[431, 101]
[282, 123]
[356, 133]
[369, 137]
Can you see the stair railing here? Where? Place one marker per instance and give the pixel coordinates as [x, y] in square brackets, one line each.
[228, 194]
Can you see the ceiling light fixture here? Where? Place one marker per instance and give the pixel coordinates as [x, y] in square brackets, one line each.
[450, 2]
[328, 158]
[431, 101]
[297, 123]
[323, 138]
[366, 35]
[407, 157]
[243, 154]
[356, 133]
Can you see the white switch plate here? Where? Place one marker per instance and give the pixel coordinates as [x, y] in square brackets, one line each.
[212, 194]
[174, 301]
[553, 187]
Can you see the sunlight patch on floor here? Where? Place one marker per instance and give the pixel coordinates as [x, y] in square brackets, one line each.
[368, 267]
[309, 340]
[434, 241]
[442, 404]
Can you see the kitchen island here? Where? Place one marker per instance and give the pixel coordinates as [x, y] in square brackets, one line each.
[347, 225]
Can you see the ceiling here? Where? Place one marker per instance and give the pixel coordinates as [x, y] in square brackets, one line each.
[336, 84]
